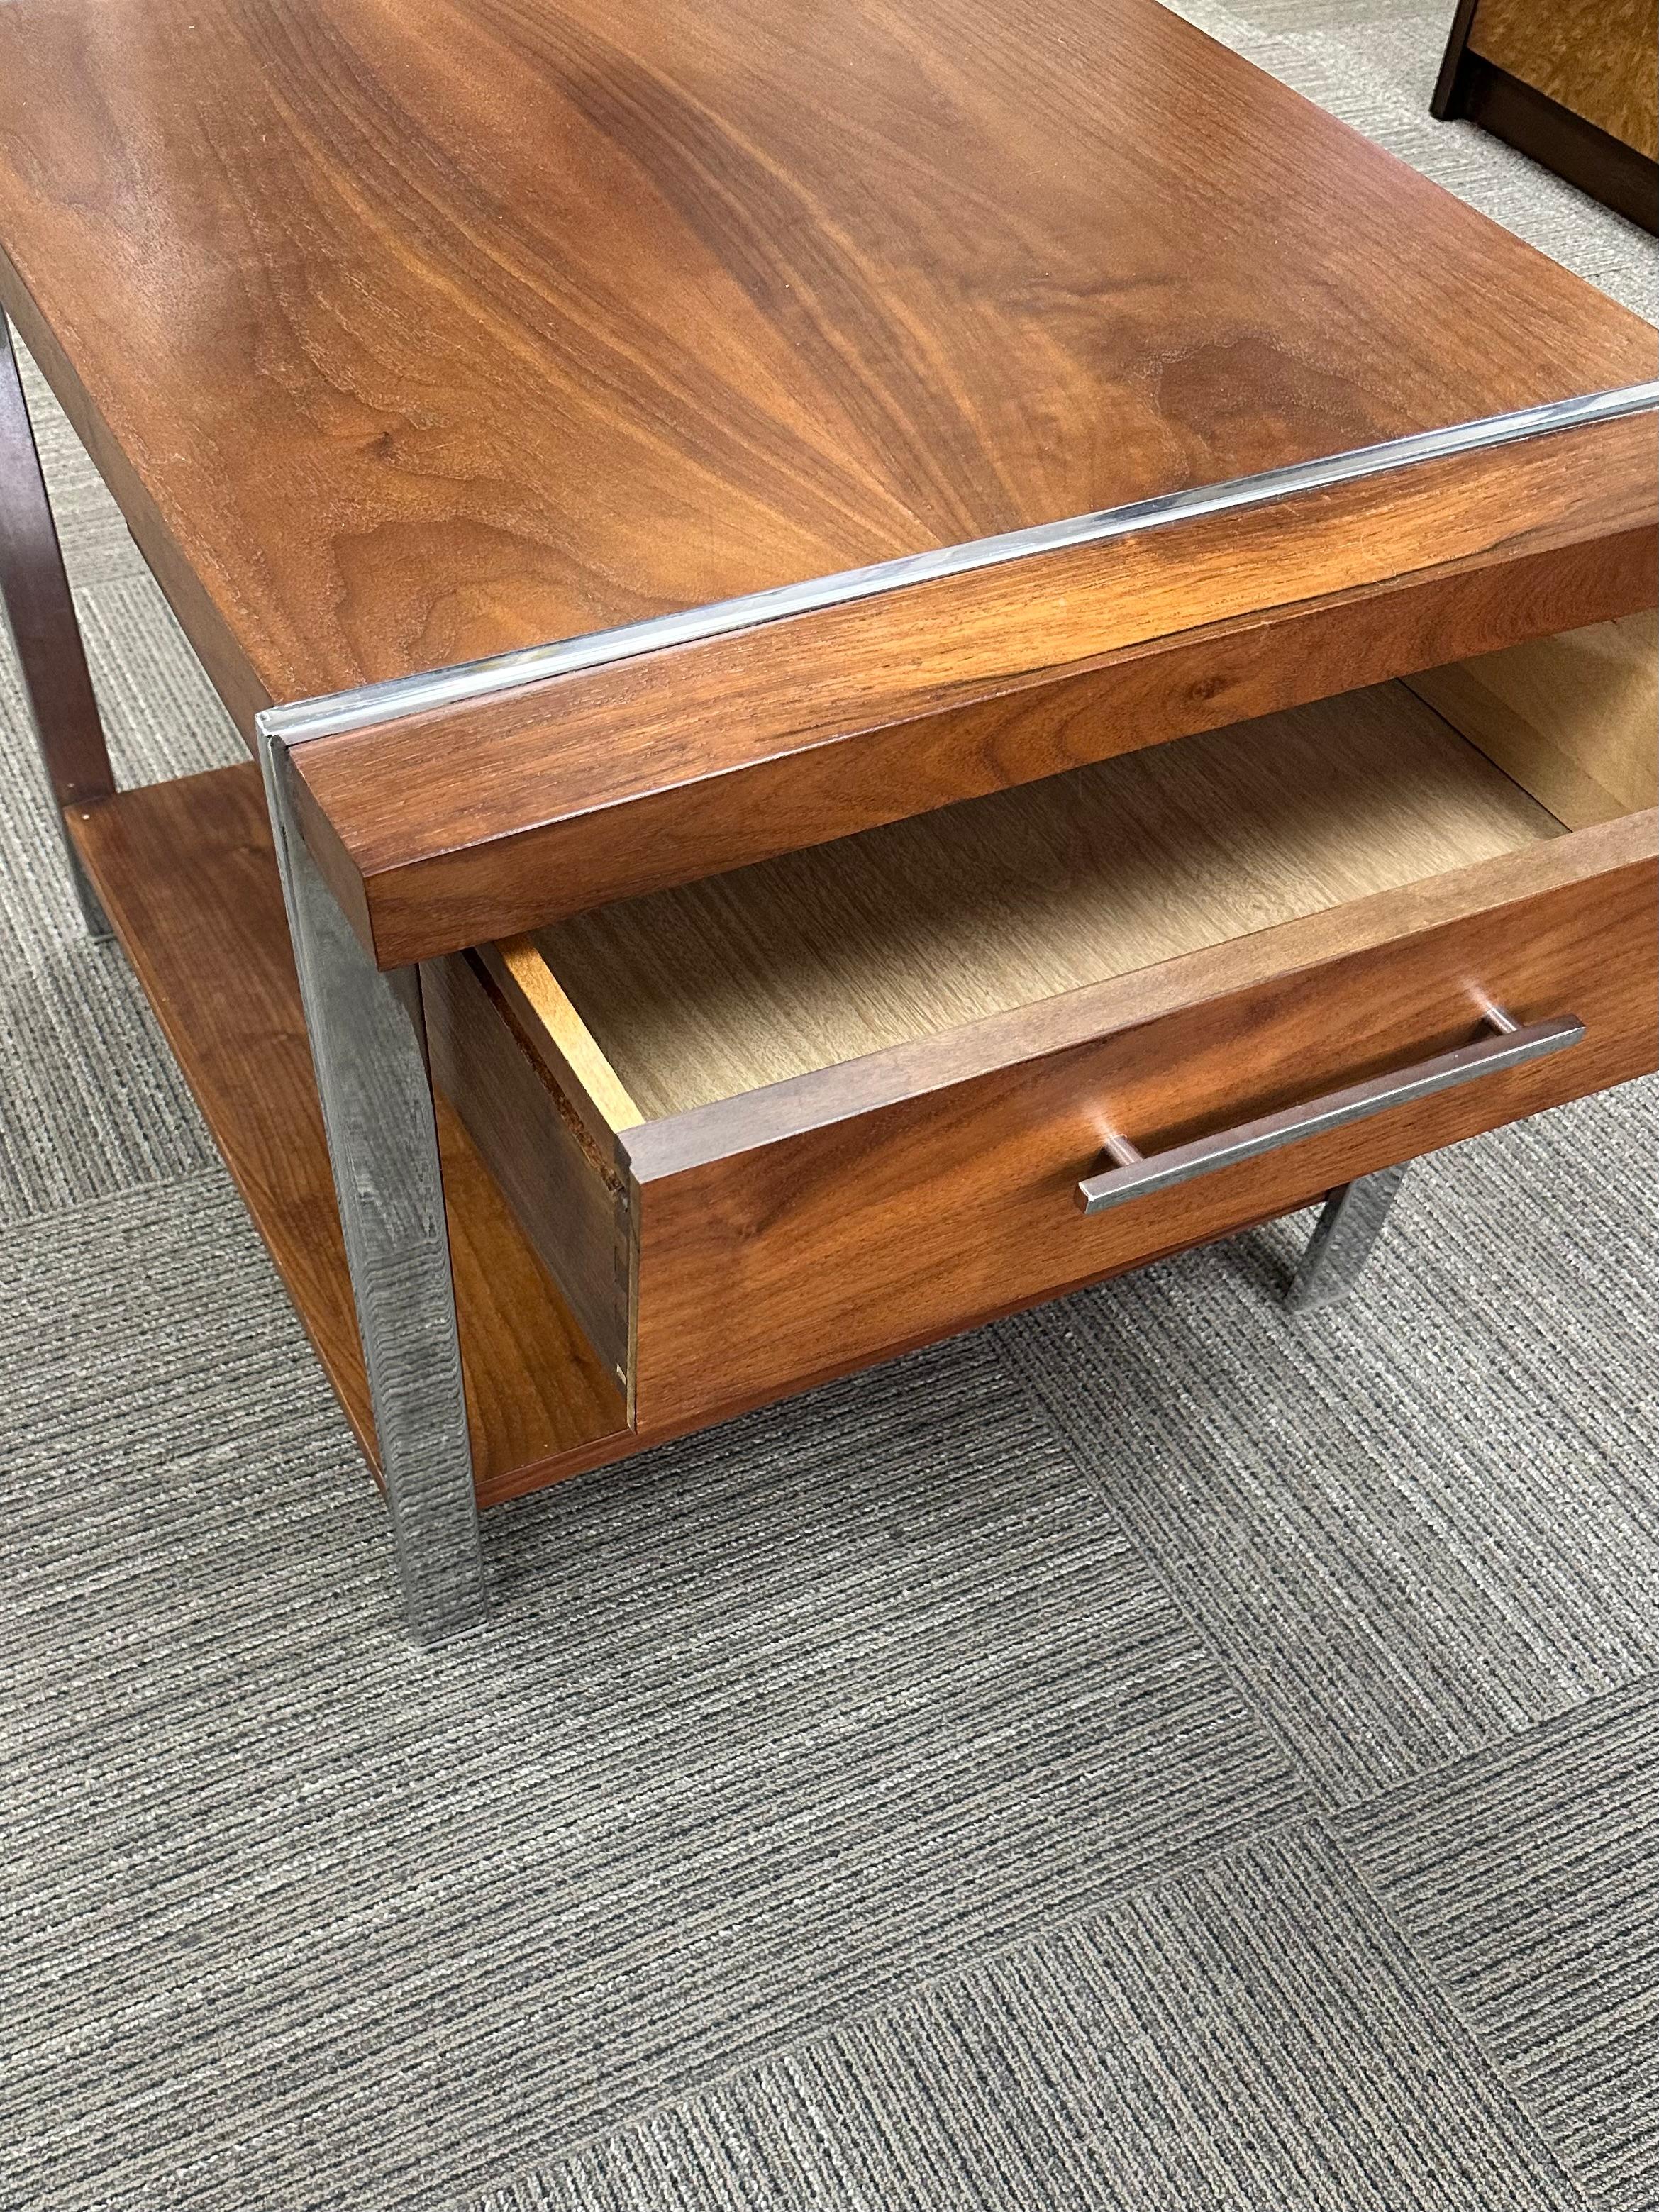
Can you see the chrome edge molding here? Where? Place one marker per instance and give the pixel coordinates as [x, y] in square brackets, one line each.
[400, 695]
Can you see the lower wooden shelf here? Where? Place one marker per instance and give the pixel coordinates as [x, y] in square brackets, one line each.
[188, 878]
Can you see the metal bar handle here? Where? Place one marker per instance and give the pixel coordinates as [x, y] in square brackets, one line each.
[1133, 1174]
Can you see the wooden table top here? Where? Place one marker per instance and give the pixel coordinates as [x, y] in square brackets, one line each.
[409, 331]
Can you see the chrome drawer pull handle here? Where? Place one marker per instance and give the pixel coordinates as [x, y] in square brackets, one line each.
[1134, 1175]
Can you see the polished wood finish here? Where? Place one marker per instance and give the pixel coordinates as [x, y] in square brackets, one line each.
[1599, 58]
[1444, 102]
[427, 330]
[787, 1235]
[875, 1072]
[950, 918]
[1574, 720]
[461, 826]
[667, 1424]
[187, 876]
[35, 595]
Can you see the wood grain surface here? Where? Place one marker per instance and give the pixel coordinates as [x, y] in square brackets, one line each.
[1574, 720]
[800, 1230]
[187, 876]
[930, 924]
[409, 330]
[1598, 57]
[463, 826]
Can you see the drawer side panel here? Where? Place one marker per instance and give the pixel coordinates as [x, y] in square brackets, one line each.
[567, 1198]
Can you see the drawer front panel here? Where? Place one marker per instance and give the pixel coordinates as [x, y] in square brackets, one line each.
[816, 1248]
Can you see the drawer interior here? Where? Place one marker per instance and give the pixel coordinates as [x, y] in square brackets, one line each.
[722, 987]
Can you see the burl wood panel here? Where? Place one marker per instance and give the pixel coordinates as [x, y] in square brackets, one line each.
[1598, 57]
[456, 828]
[1574, 720]
[187, 876]
[409, 330]
[930, 924]
[790, 1234]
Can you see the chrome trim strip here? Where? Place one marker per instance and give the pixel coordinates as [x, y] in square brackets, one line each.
[503, 672]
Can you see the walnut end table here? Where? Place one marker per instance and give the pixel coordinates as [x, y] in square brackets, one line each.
[818, 600]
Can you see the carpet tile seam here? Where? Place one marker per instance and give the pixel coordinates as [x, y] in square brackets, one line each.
[956, 1971]
[1080, 1925]
[1262, 1718]
[784, 2052]
[1520, 2080]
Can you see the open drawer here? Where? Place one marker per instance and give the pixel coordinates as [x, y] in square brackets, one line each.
[769, 1126]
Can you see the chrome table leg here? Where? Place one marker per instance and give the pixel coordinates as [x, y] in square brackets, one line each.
[40, 613]
[368, 1045]
[1343, 1240]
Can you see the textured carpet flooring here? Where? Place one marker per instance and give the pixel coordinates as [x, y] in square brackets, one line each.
[1149, 1755]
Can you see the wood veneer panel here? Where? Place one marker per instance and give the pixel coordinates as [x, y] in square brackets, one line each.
[946, 920]
[410, 332]
[459, 827]
[831, 1218]
[1598, 57]
[188, 879]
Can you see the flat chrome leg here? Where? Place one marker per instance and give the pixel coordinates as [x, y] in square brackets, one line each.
[40, 614]
[368, 1045]
[1343, 1239]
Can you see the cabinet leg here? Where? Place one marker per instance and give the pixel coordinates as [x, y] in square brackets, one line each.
[40, 614]
[368, 1046]
[1343, 1240]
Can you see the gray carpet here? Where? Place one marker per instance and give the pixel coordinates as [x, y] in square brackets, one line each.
[1149, 1755]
